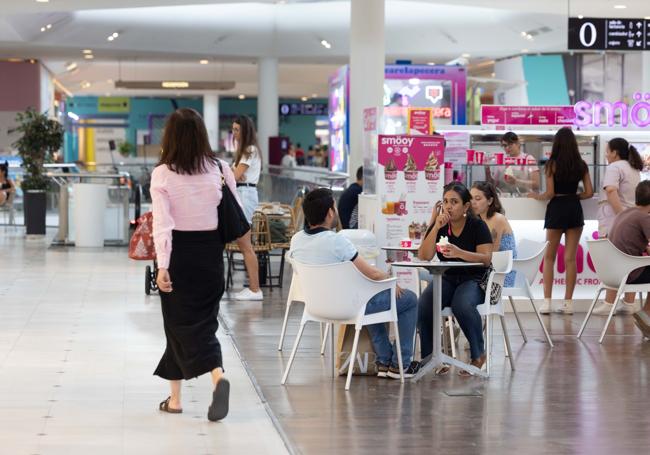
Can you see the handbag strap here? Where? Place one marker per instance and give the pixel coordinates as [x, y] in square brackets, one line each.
[223, 177]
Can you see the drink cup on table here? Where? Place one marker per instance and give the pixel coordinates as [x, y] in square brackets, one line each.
[479, 157]
[470, 156]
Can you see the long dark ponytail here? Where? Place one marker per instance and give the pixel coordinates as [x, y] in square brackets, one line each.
[626, 152]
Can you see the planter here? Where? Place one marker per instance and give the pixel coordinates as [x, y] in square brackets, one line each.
[34, 210]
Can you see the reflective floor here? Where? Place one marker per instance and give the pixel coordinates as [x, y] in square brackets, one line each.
[79, 341]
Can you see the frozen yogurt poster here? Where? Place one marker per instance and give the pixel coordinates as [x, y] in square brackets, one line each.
[410, 179]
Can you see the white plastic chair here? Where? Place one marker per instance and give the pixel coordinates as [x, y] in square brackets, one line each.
[527, 269]
[613, 267]
[502, 263]
[338, 294]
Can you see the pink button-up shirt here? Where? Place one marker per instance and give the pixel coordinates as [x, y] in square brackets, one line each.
[185, 203]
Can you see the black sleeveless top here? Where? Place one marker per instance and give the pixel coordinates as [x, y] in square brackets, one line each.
[564, 187]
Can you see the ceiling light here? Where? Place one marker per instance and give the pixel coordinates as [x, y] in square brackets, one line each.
[87, 51]
[314, 95]
[431, 63]
[620, 6]
[42, 1]
[14, 60]
[524, 51]
[89, 56]
[529, 37]
[42, 29]
[110, 38]
[71, 66]
[326, 44]
[647, 18]
[175, 84]
[48, 26]
[580, 16]
[203, 62]
[304, 98]
[242, 97]
[524, 34]
[466, 55]
[115, 35]
[85, 84]
[493, 74]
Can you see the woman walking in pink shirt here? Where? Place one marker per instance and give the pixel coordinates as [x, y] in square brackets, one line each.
[186, 190]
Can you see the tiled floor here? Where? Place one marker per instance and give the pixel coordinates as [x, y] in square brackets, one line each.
[78, 343]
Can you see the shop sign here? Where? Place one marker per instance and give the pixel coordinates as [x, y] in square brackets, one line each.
[527, 115]
[303, 109]
[616, 114]
[113, 105]
[600, 34]
[420, 121]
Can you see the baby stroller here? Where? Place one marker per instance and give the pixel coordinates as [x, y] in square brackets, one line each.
[141, 248]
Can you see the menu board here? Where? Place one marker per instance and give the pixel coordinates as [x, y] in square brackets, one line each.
[609, 34]
[527, 115]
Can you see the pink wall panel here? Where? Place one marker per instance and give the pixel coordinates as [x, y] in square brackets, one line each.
[19, 86]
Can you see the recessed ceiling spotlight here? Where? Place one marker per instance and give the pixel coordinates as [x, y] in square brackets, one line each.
[524, 51]
[304, 98]
[524, 34]
[529, 37]
[115, 35]
[89, 56]
[110, 38]
[48, 26]
[71, 66]
[87, 51]
[42, 1]
[494, 75]
[620, 6]
[431, 63]
[580, 16]
[203, 62]
[326, 44]
[85, 84]
[43, 29]
[466, 55]
[242, 97]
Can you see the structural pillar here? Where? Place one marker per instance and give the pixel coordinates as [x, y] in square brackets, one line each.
[645, 72]
[211, 118]
[267, 104]
[367, 64]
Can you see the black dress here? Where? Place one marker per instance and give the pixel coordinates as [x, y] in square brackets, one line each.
[564, 211]
[190, 310]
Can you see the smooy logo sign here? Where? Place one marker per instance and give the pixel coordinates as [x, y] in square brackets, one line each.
[397, 144]
[590, 114]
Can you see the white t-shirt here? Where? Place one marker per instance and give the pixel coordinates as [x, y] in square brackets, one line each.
[254, 163]
[321, 246]
[288, 161]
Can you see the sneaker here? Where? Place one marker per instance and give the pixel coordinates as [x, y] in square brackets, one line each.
[629, 308]
[546, 308]
[382, 370]
[247, 294]
[567, 307]
[414, 367]
[603, 308]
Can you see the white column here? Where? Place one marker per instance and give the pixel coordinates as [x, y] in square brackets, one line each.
[645, 72]
[211, 118]
[267, 104]
[367, 63]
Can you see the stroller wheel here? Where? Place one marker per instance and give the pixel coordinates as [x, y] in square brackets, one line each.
[147, 280]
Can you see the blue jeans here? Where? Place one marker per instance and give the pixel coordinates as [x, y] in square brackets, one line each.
[407, 315]
[462, 295]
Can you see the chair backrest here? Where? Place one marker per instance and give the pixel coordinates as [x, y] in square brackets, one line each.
[260, 232]
[611, 264]
[502, 263]
[331, 291]
[530, 256]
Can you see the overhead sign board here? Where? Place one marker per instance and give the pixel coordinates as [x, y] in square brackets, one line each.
[600, 34]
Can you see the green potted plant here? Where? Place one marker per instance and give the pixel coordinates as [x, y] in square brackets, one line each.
[125, 149]
[40, 137]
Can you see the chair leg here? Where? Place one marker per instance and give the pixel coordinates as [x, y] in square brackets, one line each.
[591, 309]
[507, 341]
[282, 267]
[324, 338]
[609, 317]
[452, 338]
[353, 358]
[398, 347]
[333, 351]
[541, 322]
[293, 352]
[488, 336]
[521, 327]
[284, 325]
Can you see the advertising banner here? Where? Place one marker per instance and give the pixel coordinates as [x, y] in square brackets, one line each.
[369, 144]
[527, 115]
[420, 121]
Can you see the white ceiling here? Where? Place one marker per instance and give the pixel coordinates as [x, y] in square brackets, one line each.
[164, 39]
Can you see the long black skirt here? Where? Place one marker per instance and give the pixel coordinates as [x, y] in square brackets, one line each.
[190, 310]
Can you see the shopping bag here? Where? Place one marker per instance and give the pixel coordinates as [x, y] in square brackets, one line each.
[141, 247]
[364, 364]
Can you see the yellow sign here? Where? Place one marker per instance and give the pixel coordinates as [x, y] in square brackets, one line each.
[114, 105]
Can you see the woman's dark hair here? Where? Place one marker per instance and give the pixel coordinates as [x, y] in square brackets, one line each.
[4, 168]
[462, 191]
[490, 192]
[316, 205]
[185, 145]
[565, 163]
[247, 138]
[510, 138]
[642, 194]
[626, 152]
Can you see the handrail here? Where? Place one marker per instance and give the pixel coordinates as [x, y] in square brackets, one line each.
[309, 170]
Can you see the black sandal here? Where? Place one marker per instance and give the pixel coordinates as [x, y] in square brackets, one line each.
[164, 407]
[220, 397]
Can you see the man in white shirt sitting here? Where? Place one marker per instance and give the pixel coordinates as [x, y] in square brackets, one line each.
[320, 244]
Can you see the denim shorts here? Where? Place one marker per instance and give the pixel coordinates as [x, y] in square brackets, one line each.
[249, 200]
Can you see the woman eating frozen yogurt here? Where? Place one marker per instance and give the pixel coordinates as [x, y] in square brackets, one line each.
[457, 236]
